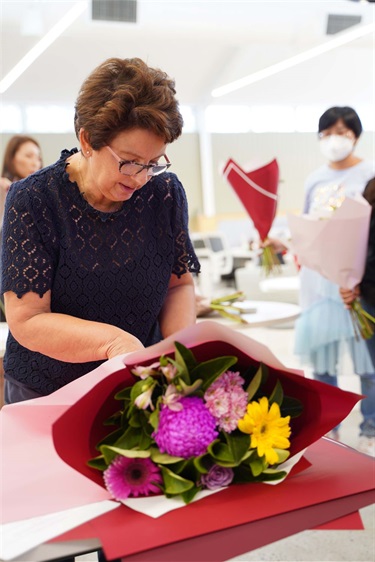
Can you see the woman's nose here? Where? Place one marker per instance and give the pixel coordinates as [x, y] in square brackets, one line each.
[140, 179]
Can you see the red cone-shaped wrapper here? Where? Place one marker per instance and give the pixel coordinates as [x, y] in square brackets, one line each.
[257, 191]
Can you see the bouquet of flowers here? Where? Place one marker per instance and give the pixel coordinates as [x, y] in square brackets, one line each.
[335, 246]
[257, 191]
[187, 425]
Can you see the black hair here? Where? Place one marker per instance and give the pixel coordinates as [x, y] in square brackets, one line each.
[347, 114]
[369, 192]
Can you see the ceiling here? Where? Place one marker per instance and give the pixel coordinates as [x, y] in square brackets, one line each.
[203, 44]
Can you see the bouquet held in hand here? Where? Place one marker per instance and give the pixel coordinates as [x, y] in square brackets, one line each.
[257, 191]
[336, 246]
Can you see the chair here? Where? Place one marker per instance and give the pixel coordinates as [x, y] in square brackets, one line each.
[215, 256]
[283, 286]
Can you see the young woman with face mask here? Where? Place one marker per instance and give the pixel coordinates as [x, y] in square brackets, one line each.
[324, 329]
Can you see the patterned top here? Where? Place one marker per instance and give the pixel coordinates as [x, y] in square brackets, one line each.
[326, 188]
[106, 267]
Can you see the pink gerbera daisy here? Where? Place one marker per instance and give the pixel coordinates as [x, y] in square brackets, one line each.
[132, 477]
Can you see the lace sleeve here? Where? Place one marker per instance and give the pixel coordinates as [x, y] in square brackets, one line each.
[185, 258]
[26, 262]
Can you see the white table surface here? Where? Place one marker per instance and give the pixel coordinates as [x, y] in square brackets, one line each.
[266, 313]
[291, 283]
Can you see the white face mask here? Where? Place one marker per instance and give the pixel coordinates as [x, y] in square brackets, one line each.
[336, 147]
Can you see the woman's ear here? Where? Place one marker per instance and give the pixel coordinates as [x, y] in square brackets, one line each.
[84, 142]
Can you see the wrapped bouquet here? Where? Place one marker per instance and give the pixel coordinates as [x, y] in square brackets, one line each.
[188, 425]
[335, 246]
[257, 191]
[248, 445]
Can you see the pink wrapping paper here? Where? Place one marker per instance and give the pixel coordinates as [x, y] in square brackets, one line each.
[335, 247]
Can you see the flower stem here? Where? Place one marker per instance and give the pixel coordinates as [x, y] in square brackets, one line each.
[363, 322]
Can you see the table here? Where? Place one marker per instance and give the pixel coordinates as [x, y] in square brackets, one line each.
[291, 283]
[266, 313]
[333, 494]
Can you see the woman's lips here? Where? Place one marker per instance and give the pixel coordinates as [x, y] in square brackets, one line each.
[127, 189]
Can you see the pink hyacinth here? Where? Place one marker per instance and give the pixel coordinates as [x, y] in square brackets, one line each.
[226, 400]
[132, 477]
[187, 432]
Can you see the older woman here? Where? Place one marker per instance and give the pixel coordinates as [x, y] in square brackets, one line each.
[97, 258]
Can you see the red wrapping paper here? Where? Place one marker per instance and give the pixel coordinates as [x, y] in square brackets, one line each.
[257, 191]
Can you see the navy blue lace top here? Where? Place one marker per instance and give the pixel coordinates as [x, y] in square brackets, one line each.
[107, 267]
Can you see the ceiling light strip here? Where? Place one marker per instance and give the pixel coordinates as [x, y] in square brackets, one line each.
[42, 45]
[338, 41]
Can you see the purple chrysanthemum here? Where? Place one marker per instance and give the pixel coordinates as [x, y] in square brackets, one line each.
[187, 432]
[132, 477]
[226, 400]
[217, 477]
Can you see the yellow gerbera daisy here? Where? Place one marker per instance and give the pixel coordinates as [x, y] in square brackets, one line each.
[267, 428]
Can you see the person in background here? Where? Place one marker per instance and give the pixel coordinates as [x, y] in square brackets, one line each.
[97, 258]
[321, 329]
[22, 157]
[366, 288]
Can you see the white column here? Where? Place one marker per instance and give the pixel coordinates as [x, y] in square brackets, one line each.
[205, 149]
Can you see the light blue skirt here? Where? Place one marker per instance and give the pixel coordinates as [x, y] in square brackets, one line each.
[325, 328]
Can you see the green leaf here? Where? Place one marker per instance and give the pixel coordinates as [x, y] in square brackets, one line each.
[154, 418]
[277, 394]
[98, 463]
[221, 454]
[202, 463]
[242, 475]
[257, 466]
[124, 394]
[269, 474]
[145, 442]
[185, 356]
[174, 484]
[110, 452]
[111, 438]
[283, 455]
[115, 419]
[257, 381]
[291, 407]
[129, 439]
[190, 494]
[210, 370]
[239, 444]
[191, 388]
[135, 418]
[163, 458]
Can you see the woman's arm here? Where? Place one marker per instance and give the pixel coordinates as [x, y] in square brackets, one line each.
[60, 336]
[179, 310]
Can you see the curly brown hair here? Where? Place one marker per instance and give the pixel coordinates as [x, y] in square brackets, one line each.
[122, 94]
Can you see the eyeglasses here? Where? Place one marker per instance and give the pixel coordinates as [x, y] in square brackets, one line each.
[347, 133]
[131, 168]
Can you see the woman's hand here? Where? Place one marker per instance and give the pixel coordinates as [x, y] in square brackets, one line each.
[349, 295]
[123, 345]
[278, 246]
